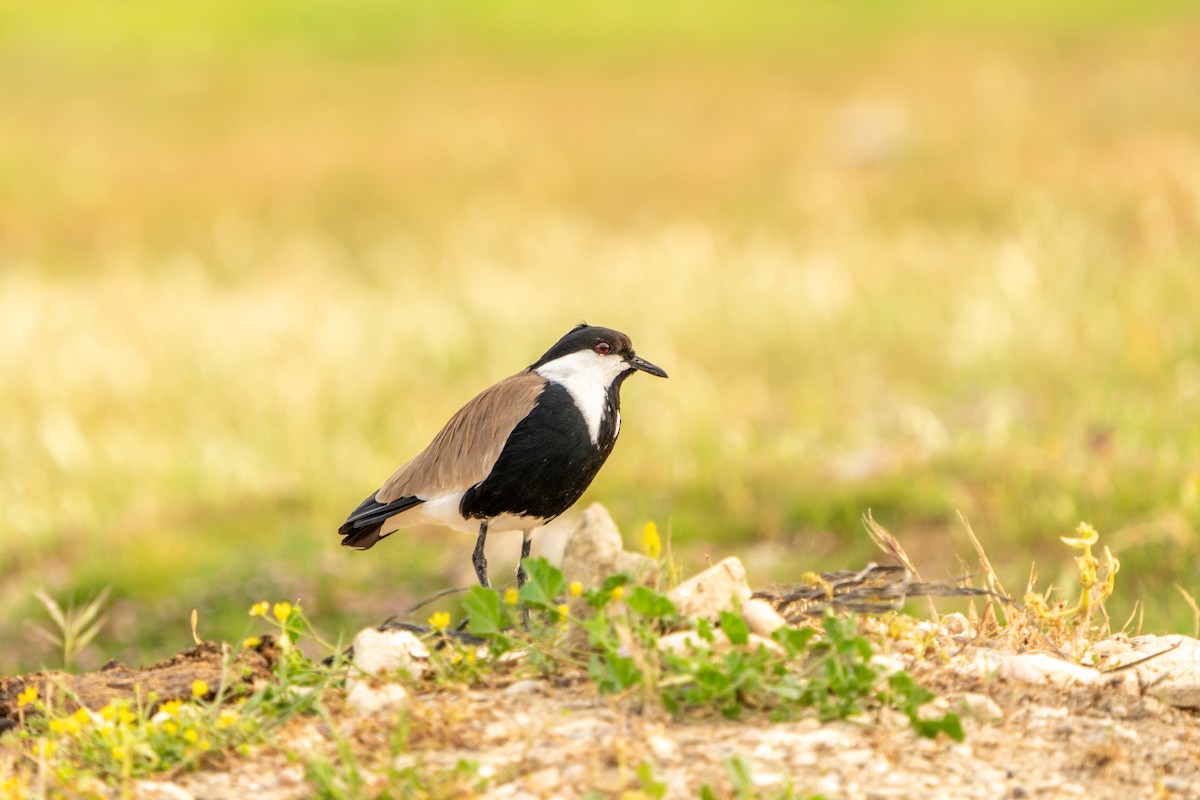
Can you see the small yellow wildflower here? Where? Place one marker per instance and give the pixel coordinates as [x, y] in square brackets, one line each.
[226, 719]
[72, 725]
[170, 727]
[45, 747]
[171, 708]
[470, 656]
[651, 542]
[618, 592]
[563, 608]
[260, 609]
[456, 658]
[511, 596]
[126, 717]
[251, 641]
[440, 620]
[282, 611]
[119, 752]
[57, 726]
[191, 735]
[82, 716]
[199, 688]
[576, 588]
[27, 696]
[108, 713]
[203, 744]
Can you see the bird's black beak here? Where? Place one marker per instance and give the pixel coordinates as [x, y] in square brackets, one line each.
[639, 363]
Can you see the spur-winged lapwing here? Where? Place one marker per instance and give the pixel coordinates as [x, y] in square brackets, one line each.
[516, 456]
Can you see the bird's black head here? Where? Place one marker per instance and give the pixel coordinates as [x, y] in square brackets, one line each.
[613, 349]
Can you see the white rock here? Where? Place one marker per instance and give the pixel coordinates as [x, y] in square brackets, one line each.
[955, 624]
[683, 642]
[762, 618]
[980, 707]
[712, 591]
[527, 686]
[369, 701]
[1036, 668]
[755, 641]
[1174, 675]
[380, 653]
[594, 551]
[663, 748]
[160, 790]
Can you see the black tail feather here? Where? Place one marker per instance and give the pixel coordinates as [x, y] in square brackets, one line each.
[361, 529]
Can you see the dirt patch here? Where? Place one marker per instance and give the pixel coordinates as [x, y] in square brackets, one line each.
[171, 679]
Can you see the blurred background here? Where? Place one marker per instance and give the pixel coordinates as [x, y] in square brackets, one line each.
[909, 257]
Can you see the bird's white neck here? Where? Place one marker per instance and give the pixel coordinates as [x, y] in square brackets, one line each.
[587, 376]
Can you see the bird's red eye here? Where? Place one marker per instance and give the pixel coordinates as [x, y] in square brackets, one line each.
[603, 348]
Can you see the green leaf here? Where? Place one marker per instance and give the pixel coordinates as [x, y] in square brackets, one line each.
[794, 640]
[950, 725]
[740, 776]
[735, 627]
[651, 786]
[488, 616]
[649, 603]
[544, 585]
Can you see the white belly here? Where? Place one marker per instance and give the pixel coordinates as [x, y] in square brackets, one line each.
[444, 511]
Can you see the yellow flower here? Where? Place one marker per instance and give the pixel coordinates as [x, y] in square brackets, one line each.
[82, 716]
[57, 726]
[440, 620]
[45, 747]
[282, 611]
[203, 744]
[651, 543]
[576, 588]
[563, 608]
[251, 641]
[170, 727]
[226, 719]
[72, 725]
[199, 688]
[618, 592]
[191, 735]
[27, 696]
[171, 708]
[470, 656]
[259, 609]
[108, 713]
[511, 596]
[118, 752]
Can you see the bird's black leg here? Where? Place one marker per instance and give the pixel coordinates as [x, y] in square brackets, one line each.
[478, 558]
[526, 536]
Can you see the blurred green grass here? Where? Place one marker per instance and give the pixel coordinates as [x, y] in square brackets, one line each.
[916, 258]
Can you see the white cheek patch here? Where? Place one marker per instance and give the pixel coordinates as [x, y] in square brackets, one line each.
[586, 375]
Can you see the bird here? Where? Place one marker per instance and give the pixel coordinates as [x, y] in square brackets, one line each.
[517, 455]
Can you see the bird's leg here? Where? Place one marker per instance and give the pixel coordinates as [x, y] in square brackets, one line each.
[478, 558]
[522, 576]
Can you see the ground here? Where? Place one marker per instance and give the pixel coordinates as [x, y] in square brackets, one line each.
[555, 737]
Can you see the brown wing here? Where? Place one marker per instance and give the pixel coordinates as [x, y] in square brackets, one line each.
[464, 452]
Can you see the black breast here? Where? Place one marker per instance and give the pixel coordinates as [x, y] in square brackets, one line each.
[547, 463]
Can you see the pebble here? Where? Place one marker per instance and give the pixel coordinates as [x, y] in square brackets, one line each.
[979, 707]
[761, 617]
[386, 652]
[712, 591]
[370, 701]
[527, 686]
